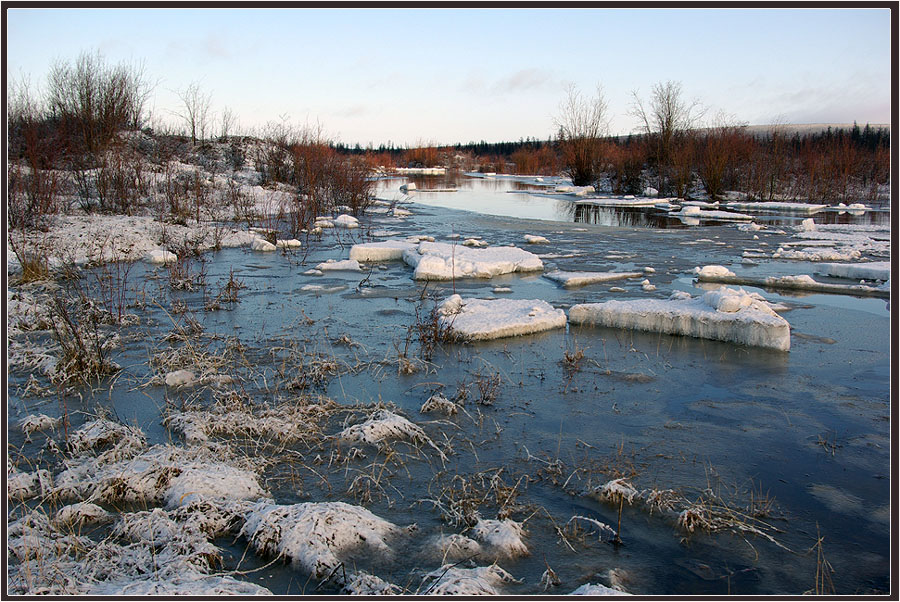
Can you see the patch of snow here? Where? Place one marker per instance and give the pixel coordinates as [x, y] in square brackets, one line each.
[727, 315]
[474, 242]
[291, 243]
[453, 547]
[482, 319]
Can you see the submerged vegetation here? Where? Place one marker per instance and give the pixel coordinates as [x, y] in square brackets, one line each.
[184, 427]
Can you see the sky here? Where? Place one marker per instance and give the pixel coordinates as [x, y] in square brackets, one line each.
[421, 76]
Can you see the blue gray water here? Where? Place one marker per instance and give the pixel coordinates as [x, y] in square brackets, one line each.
[807, 430]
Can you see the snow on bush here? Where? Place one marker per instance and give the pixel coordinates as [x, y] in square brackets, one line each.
[730, 315]
[439, 403]
[26, 485]
[80, 513]
[317, 535]
[286, 422]
[450, 580]
[388, 250]
[38, 422]
[452, 548]
[483, 319]
[363, 584]
[444, 261]
[573, 279]
[180, 378]
[384, 426]
[504, 537]
[122, 440]
[597, 589]
[152, 476]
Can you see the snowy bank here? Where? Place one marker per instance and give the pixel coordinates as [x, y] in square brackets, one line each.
[725, 315]
[482, 319]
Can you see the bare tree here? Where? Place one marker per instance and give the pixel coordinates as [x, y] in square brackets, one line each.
[93, 101]
[195, 110]
[666, 119]
[581, 124]
[228, 123]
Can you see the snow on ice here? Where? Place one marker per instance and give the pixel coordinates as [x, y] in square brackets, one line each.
[482, 319]
[731, 315]
[444, 261]
[573, 279]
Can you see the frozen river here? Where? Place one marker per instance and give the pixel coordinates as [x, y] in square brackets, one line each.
[795, 445]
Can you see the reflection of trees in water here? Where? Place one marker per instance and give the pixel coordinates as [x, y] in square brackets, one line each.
[584, 213]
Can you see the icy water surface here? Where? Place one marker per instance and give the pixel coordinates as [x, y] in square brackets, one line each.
[797, 441]
[525, 197]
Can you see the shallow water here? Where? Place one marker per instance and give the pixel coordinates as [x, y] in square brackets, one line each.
[808, 429]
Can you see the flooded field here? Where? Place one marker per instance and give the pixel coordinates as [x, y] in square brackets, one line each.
[784, 455]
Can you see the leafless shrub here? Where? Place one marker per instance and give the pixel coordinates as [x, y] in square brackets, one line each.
[93, 101]
[194, 111]
[581, 124]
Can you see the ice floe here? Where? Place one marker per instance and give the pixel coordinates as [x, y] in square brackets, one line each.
[334, 265]
[803, 282]
[874, 270]
[482, 319]
[573, 279]
[346, 221]
[387, 250]
[533, 239]
[731, 315]
[444, 261]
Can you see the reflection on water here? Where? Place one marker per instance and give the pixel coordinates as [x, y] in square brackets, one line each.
[508, 197]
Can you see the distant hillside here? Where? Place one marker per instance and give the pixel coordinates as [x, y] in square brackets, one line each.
[811, 128]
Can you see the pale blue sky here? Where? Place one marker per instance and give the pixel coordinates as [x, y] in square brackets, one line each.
[458, 75]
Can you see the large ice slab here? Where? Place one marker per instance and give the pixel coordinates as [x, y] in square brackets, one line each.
[482, 319]
[573, 279]
[444, 261]
[873, 270]
[726, 314]
[387, 250]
